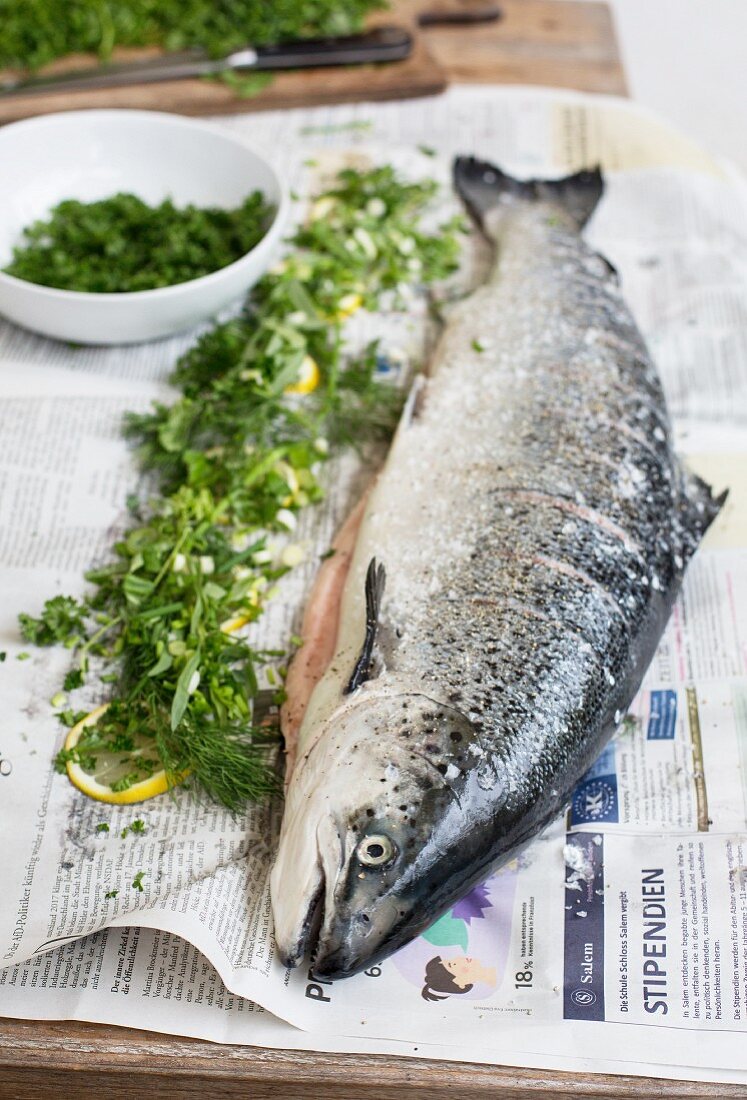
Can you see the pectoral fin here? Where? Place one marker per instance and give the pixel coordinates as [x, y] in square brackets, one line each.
[375, 583]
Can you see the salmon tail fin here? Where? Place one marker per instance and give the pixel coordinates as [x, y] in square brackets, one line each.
[482, 187]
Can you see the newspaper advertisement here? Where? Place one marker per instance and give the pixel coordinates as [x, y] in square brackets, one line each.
[627, 917]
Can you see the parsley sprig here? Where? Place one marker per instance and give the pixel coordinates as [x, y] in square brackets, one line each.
[234, 460]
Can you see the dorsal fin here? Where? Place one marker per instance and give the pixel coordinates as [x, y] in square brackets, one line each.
[375, 584]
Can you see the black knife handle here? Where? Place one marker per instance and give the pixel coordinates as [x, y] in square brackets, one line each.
[466, 14]
[379, 44]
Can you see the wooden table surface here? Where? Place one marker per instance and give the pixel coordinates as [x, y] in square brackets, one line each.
[71, 1060]
[554, 42]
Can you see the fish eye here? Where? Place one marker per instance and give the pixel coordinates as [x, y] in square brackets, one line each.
[375, 851]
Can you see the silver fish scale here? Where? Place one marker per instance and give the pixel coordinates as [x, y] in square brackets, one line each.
[549, 522]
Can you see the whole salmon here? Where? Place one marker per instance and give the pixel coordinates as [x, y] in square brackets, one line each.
[516, 564]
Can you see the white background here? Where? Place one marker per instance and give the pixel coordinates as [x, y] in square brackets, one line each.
[687, 59]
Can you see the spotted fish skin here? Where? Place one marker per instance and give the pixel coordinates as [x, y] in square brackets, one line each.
[534, 525]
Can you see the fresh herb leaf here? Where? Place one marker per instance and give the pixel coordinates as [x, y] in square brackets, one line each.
[102, 827]
[62, 620]
[244, 85]
[186, 685]
[137, 882]
[70, 717]
[111, 894]
[61, 759]
[74, 679]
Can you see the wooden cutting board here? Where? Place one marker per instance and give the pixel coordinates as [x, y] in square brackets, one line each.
[569, 43]
[558, 43]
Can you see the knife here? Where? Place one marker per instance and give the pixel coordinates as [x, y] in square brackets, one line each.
[379, 44]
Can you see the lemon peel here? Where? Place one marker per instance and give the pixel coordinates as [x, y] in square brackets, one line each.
[308, 377]
[348, 305]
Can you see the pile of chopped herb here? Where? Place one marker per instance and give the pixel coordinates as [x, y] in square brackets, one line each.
[234, 459]
[36, 32]
[122, 244]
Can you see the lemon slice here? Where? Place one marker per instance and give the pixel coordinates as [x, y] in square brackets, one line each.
[348, 305]
[111, 766]
[228, 626]
[308, 377]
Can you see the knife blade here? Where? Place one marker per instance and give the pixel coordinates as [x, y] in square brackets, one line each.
[378, 45]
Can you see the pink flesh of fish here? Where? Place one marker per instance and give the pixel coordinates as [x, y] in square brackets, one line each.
[319, 633]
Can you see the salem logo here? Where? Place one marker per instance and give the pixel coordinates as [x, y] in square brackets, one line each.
[583, 997]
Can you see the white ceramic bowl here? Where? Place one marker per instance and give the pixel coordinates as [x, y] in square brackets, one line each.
[90, 155]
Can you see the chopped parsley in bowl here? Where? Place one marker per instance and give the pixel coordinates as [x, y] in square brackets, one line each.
[122, 244]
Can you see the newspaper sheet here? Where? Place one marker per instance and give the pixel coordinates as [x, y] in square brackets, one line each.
[623, 928]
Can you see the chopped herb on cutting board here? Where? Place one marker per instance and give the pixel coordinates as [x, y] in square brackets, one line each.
[35, 32]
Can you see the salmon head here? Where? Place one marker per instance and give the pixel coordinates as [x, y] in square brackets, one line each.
[378, 829]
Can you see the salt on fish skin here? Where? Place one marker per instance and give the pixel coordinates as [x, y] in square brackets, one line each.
[534, 526]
